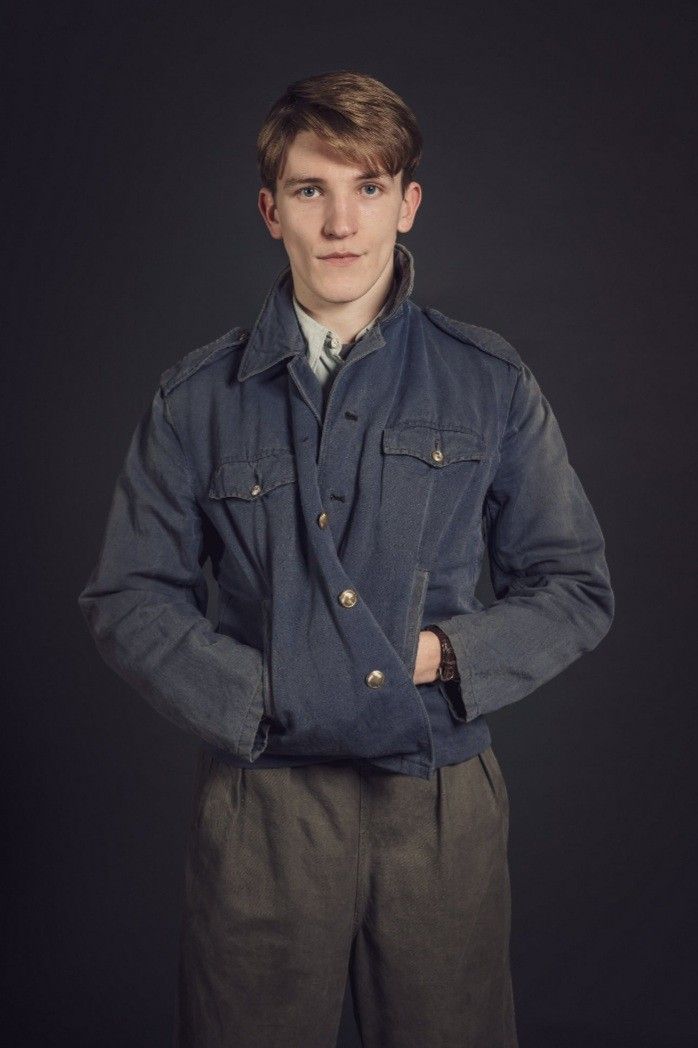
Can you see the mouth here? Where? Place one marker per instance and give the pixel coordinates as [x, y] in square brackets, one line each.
[338, 259]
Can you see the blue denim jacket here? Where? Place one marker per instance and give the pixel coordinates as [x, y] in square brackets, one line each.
[336, 533]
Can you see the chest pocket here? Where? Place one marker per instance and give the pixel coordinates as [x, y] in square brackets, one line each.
[252, 479]
[439, 447]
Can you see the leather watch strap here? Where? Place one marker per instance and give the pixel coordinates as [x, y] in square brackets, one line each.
[448, 666]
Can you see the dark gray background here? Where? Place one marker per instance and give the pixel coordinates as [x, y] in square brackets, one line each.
[559, 209]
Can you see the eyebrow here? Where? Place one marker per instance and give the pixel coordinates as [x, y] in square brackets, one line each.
[299, 180]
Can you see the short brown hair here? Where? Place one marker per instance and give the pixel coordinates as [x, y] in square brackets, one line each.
[354, 113]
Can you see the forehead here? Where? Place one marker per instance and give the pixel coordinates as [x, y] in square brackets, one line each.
[310, 154]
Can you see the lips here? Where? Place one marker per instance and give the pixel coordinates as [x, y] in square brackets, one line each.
[348, 254]
[340, 260]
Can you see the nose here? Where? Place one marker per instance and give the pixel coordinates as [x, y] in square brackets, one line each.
[340, 218]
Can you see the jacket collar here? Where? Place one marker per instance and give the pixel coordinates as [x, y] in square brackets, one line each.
[276, 333]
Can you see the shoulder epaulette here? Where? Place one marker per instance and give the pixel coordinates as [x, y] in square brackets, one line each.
[199, 357]
[484, 339]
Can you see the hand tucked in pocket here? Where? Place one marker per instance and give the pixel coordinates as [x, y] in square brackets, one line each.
[426, 668]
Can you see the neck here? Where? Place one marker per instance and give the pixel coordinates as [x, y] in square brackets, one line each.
[346, 319]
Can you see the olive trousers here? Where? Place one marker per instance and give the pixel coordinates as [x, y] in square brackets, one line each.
[299, 877]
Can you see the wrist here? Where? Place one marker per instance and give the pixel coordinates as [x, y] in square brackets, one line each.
[448, 667]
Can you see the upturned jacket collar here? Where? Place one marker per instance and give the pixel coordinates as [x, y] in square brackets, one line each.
[276, 333]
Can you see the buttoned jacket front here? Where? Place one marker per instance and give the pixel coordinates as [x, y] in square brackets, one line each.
[335, 534]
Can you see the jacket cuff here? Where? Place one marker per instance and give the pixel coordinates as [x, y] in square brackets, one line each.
[254, 734]
[452, 693]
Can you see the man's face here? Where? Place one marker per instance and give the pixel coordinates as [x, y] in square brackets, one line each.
[323, 206]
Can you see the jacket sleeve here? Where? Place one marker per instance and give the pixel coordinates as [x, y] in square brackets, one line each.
[145, 600]
[547, 564]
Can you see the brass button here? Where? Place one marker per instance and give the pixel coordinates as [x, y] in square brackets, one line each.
[255, 490]
[348, 598]
[323, 519]
[375, 678]
[437, 455]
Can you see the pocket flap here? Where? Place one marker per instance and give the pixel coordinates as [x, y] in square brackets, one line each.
[436, 446]
[250, 479]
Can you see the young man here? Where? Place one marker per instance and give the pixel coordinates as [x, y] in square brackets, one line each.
[345, 463]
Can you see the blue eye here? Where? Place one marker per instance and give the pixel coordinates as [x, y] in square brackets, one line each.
[369, 185]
